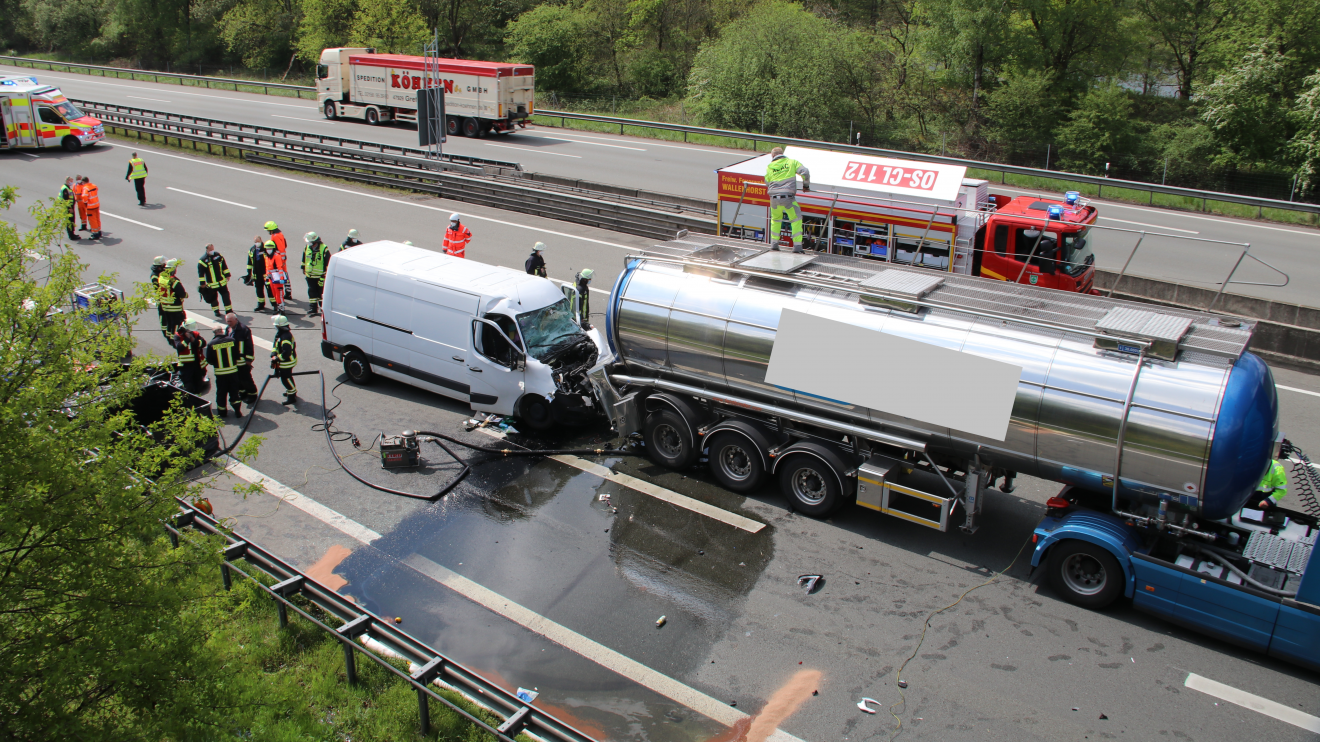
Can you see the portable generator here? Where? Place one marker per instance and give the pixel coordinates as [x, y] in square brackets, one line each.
[400, 451]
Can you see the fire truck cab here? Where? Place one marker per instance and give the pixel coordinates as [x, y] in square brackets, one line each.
[36, 115]
[1029, 243]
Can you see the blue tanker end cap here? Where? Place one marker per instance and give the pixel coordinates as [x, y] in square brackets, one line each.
[1244, 435]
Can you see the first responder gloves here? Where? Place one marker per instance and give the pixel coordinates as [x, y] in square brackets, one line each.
[247, 280]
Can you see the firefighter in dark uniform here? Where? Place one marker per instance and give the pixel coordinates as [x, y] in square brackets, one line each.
[70, 200]
[213, 281]
[316, 258]
[284, 358]
[157, 267]
[224, 357]
[170, 294]
[242, 337]
[584, 297]
[256, 272]
[535, 264]
[191, 360]
[351, 240]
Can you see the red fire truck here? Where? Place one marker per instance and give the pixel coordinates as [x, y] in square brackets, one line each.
[926, 214]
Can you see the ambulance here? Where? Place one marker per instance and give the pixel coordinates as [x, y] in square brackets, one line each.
[36, 115]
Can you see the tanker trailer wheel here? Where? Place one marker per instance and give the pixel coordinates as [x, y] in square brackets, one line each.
[811, 486]
[668, 439]
[357, 367]
[735, 462]
[330, 112]
[1085, 574]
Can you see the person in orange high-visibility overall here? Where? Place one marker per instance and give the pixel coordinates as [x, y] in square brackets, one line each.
[82, 205]
[277, 276]
[457, 238]
[91, 199]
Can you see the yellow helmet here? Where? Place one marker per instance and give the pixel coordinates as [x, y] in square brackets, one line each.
[271, 226]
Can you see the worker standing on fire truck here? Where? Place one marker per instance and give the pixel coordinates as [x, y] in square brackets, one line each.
[781, 183]
[256, 272]
[316, 258]
[457, 238]
[282, 246]
[213, 281]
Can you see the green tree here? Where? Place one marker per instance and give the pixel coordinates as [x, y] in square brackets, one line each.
[1246, 108]
[1075, 41]
[1023, 109]
[325, 24]
[555, 38]
[1101, 128]
[1304, 147]
[1188, 28]
[390, 26]
[98, 635]
[261, 32]
[972, 35]
[69, 26]
[779, 65]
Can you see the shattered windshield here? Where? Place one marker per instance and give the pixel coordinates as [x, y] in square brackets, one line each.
[546, 328]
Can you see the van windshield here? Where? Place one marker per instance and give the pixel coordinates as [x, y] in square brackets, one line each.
[549, 327]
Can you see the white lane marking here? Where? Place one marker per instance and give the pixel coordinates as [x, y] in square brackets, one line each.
[84, 78]
[306, 504]
[651, 144]
[594, 144]
[25, 154]
[360, 194]
[529, 149]
[138, 97]
[211, 324]
[659, 493]
[1255, 703]
[571, 640]
[1143, 224]
[1295, 389]
[301, 118]
[213, 198]
[132, 221]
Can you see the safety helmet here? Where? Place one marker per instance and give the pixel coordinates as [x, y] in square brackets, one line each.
[172, 263]
[352, 233]
[160, 260]
[270, 245]
[281, 321]
[453, 217]
[538, 247]
[189, 325]
[310, 237]
[270, 226]
[587, 273]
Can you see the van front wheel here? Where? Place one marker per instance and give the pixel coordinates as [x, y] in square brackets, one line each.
[357, 367]
[534, 413]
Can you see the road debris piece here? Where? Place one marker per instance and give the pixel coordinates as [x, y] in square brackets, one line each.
[809, 582]
[903, 684]
[862, 705]
[527, 696]
[398, 619]
[604, 497]
[1102, 716]
[660, 621]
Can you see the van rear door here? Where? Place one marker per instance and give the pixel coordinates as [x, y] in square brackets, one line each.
[350, 300]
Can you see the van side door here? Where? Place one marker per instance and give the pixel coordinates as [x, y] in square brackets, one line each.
[441, 339]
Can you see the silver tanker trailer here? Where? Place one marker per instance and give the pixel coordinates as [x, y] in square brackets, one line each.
[910, 392]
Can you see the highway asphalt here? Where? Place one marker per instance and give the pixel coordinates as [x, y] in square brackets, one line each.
[572, 578]
[1180, 246]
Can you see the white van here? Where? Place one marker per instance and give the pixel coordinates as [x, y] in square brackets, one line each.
[497, 338]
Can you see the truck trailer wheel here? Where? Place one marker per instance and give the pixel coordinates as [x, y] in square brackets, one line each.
[330, 112]
[735, 462]
[668, 439]
[811, 486]
[357, 367]
[471, 128]
[451, 126]
[1085, 574]
[373, 116]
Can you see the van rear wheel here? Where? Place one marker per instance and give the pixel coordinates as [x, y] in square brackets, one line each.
[357, 367]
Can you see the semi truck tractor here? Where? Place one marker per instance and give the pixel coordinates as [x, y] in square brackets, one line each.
[910, 392]
[916, 213]
[480, 97]
[36, 115]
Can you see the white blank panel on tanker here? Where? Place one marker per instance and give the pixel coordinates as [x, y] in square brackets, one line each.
[944, 387]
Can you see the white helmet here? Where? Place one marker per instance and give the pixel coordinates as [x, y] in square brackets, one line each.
[453, 217]
[160, 260]
[538, 247]
[352, 233]
[310, 237]
[280, 321]
[189, 325]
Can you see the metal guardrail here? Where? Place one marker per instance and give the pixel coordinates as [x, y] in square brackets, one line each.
[494, 184]
[432, 666]
[1099, 182]
[51, 65]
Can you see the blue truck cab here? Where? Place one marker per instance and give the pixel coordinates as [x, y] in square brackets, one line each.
[1255, 584]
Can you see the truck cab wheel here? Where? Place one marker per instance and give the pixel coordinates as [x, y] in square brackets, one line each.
[357, 367]
[373, 116]
[668, 440]
[470, 127]
[71, 144]
[330, 112]
[534, 413]
[811, 486]
[1085, 574]
[735, 462]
